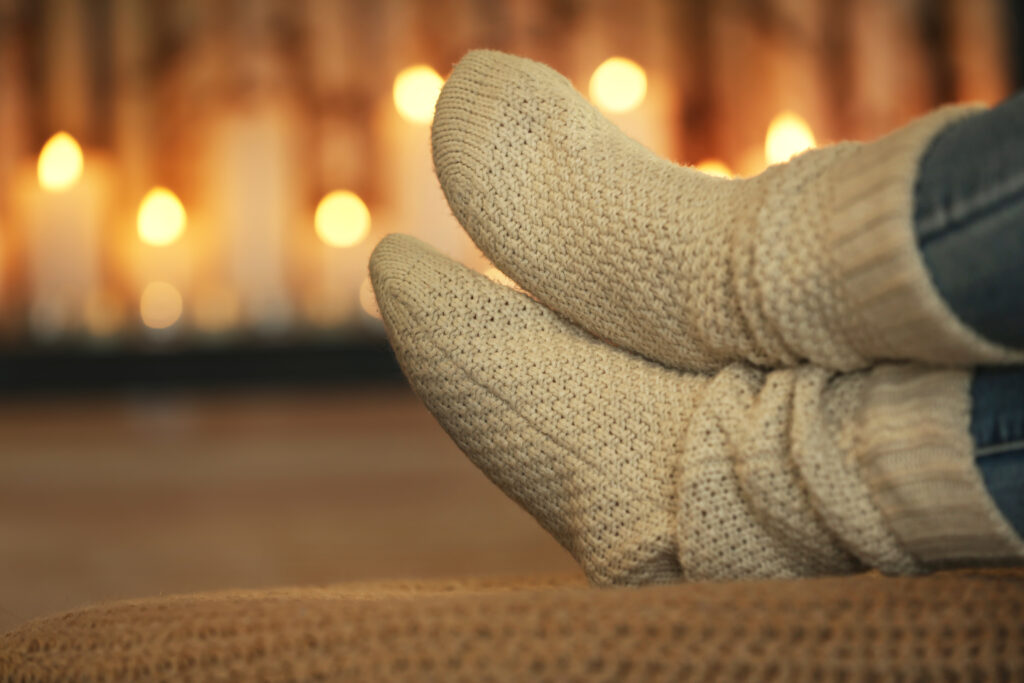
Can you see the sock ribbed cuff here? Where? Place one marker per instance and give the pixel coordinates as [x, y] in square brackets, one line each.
[915, 454]
[892, 308]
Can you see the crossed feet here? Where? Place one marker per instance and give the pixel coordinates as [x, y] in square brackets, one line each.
[713, 379]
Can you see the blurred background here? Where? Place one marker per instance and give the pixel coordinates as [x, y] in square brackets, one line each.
[196, 390]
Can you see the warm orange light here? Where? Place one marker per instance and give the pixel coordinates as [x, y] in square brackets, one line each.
[160, 305]
[788, 135]
[342, 219]
[415, 93]
[161, 218]
[496, 275]
[714, 167]
[60, 163]
[368, 300]
[618, 85]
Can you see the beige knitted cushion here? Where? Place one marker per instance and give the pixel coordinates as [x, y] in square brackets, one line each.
[949, 626]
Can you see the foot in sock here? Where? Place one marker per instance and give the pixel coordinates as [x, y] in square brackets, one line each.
[648, 474]
[811, 260]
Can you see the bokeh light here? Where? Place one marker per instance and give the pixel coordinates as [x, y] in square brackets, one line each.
[160, 305]
[618, 85]
[496, 275]
[415, 93]
[342, 219]
[60, 163]
[161, 218]
[714, 167]
[368, 300]
[788, 135]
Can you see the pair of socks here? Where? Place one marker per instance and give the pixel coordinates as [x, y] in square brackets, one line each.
[708, 378]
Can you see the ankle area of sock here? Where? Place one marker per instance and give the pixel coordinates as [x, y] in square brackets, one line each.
[915, 453]
[889, 307]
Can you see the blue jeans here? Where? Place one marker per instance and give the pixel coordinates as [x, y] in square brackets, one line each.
[997, 425]
[969, 222]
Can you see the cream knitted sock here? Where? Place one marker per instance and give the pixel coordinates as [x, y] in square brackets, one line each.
[648, 474]
[811, 260]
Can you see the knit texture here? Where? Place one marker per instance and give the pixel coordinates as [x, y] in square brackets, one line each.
[812, 260]
[647, 474]
[950, 626]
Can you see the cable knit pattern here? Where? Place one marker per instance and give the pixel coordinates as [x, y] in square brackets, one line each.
[811, 260]
[647, 474]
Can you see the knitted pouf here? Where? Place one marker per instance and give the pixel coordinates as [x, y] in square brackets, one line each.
[966, 625]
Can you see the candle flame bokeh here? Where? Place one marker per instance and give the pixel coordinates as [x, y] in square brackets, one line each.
[368, 300]
[618, 85]
[61, 163]
[415, 93]
[714, 167]
[788, 135]
[342, 219]
[160, 305]
[161, 218]
[496, 275]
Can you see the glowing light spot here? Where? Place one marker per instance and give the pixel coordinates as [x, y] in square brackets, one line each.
[415, 93]
[788, 135]
[60, 163]
[161, 219]
[618, 85]
[342, 219]
[714, 167]
[496, 275]
[160, 305]
[368, 300]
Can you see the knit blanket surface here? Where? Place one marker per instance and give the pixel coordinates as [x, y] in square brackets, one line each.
[962, 625]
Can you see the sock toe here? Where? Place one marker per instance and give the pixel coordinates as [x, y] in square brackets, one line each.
[477, 124]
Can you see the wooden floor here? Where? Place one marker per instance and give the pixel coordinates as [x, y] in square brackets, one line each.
[117, 497]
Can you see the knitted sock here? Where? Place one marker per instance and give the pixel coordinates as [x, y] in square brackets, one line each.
[811, 260]
[648, 474]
